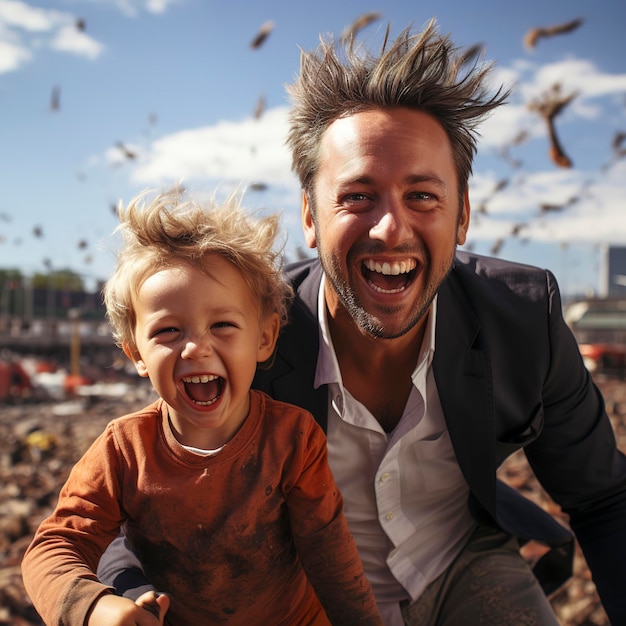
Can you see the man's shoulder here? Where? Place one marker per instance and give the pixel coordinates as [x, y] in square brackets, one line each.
[495, 290]
[484, 275]
[299, 271]
[305, 277]
[468, 263]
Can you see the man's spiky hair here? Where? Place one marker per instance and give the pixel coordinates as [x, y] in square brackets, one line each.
[422, 71]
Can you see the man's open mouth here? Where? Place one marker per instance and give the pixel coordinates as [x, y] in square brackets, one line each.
[389, 277]
[205, 389]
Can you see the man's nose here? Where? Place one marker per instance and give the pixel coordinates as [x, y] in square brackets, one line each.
[392, 225]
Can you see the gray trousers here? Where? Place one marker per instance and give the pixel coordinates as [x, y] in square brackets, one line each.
[488, 584]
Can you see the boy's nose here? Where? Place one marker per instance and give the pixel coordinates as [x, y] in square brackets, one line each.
[197, 347]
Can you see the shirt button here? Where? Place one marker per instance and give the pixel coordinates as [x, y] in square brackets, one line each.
[389, 516]
[384, 477]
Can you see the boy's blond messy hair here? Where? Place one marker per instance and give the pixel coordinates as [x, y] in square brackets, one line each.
[171, 229]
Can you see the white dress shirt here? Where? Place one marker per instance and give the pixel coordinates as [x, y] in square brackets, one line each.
[405, 498]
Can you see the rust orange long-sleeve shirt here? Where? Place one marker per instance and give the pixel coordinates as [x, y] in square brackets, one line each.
[229, 536]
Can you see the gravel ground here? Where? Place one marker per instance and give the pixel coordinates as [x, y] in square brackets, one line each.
[40, 442]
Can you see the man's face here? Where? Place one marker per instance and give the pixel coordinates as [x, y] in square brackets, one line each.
[387, 216]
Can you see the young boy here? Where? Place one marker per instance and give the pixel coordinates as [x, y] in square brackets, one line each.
[225, 494]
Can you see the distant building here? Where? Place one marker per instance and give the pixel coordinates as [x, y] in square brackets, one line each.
[613, 272]
[42, 320]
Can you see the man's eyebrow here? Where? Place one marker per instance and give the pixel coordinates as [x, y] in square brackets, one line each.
[427, 177]
[410, 179]
[354, 180]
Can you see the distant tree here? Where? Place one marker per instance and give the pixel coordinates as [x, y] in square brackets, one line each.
[9, 273]
[61, 280]
[10, 279]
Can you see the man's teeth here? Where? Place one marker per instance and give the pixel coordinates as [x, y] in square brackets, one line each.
[390, 269]
[205, 378]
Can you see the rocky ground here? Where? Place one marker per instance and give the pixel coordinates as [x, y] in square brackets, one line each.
[40, 442]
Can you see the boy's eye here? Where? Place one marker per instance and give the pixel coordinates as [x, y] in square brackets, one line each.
[165, 331]
[224, 325]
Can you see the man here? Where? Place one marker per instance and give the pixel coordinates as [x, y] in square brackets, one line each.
[428, 368]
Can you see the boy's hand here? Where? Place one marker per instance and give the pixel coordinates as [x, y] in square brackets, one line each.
[155, 603]
[110, 610]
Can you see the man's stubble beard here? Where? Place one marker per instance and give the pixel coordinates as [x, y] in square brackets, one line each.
[367, 322]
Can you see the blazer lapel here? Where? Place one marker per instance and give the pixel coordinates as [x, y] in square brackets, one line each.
[292, 374]
[463, 375]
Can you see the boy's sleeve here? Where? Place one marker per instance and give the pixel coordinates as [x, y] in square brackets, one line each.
[120, 568]
[323, 541]
[59, 566]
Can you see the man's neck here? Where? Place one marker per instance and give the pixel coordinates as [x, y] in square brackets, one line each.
[376, 372]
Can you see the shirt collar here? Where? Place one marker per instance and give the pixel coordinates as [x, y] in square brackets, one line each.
[327, 370]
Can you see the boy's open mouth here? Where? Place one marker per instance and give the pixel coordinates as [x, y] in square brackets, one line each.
[204, 389]
[389, 277]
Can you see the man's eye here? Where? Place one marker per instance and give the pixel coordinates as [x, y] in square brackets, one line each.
[422, 195]
[356, 202]
[355, 197]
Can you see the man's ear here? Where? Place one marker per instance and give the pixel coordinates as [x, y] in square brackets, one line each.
[270, 328]
[464, 219]
[133, 354]
[308, 225]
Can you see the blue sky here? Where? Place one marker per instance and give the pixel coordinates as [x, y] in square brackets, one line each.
[177, 83]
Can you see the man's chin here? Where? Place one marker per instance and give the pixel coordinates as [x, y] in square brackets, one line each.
[378, 328]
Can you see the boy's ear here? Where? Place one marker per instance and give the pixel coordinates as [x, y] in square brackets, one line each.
[270, 328]
[133, 354]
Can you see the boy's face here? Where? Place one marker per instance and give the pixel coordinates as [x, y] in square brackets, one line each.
[199, 337]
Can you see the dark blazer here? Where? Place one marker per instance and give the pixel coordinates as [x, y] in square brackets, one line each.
[509, 375]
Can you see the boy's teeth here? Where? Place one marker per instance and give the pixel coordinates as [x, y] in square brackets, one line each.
[205, 378]
[390, 269]
[203, 389]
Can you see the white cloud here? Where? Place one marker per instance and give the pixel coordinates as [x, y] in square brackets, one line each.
[56, 30]
[581, 76]
[158, 6]
[574, 76]
[132, 8]
[530, 81]
[505, 124]
[17, 14]
[234, 151]
[25, 29]
[593, 206]
[12, 56]
[69, 39]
